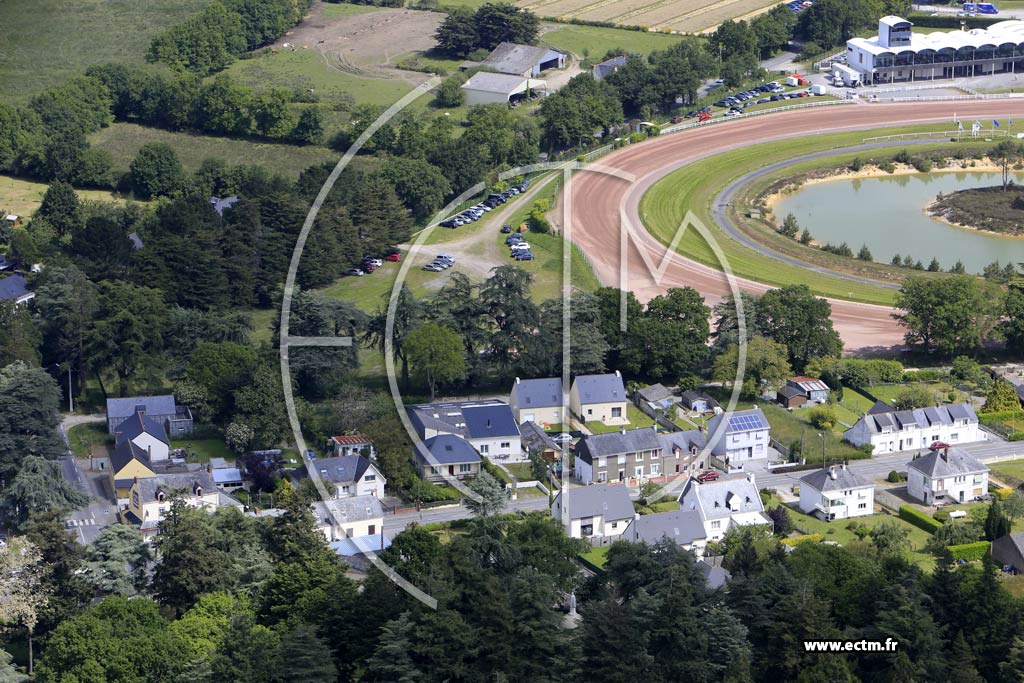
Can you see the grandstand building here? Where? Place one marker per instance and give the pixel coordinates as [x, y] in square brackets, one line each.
[898, 54]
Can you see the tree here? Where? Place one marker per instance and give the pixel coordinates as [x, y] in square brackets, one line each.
[795, 317]
[501, 22]
[391, 662]
[310, 127]
[915, 396]
[420, 185]
[21, 591]
[671, 337]
[766, 363]
[1001, 397]
[889, 537]
[805, 237]
[127, 334]
[947, 316]
[997, 524]
[155, 170]
[9, 673]
[19, 336]
[29, 415]
[103, 248]
[450, 93]
[822, 417]
[308, 659]
[65, 305]
[407, 315]
[493, 496]
[457, 35]
[864, 254]
[782, 522]
[965, 369]
[115, 562]
[506, 296]
[60, 208]
[38, 487]
[1005, 153]
[790, 227]
[436, 353]
[190, 564]
[934, 266]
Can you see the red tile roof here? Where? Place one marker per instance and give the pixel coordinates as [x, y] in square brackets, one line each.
[351, 440]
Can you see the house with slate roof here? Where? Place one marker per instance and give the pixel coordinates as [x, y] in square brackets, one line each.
[628, 455]
[744, 438]
[352, 475]
[128, 463]
[683, 527]
[698, 402]
[1008, 552]
[599, 398]
[146, 433]
[599, 513]
[683, 453]
[724, 503]
[150, 499]
[536, 440]
[446, 456]
[15, 288]
[352, 517]
[176, 419]
[608, 67]
[523, 60]
[537, 400]
[489, 426]
[836, 493]
[891, 431]
[219, 204]
[950, 475]
[227, 476]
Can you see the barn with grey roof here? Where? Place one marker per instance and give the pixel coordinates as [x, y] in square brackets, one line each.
[523, 60]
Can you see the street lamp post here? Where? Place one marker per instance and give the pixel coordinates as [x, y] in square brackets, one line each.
[822, 436]
[71, 400]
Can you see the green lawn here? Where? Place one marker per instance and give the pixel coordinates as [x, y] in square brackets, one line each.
[521, 471]
[789, 426]
[637, 420]
[262, 324]
[888, 392]
[1010, 468]
[693, 187]
[856, 402]
[592, 42]
[23, 197]
[85, 437]
[597, 556]
[201, 450]
[123, 141]
[345, 9]
[46, 41]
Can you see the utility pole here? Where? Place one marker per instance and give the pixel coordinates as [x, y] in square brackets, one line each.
[822, 435]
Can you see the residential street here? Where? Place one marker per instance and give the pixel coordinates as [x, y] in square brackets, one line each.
[393, 524]
[89, 521]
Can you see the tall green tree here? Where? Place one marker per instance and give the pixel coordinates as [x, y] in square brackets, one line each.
[19, 335]
[506, 294]
[116, 560]
[60, 208]
[155, 170]
[29, 415]
[670, 339]
[127, 334]
[38, 487]
[435, 352]
[1001, 397]
[947, 316]
[308, 659]
[190, 563]
[492, 496]
[795, 317]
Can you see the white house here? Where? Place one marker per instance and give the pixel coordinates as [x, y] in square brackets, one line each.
[537, 400]
[145, 433]
[594, 512]
[946, 474]
[685, 527]
[836, 493]
[744, 437]
[489, 426]
[352, 475]
[890, 431]
[599, 398]
[352, 444]
[150, 498]
[352, 517]
[724, 503]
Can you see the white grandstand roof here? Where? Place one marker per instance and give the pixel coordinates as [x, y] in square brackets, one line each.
[1001, 33]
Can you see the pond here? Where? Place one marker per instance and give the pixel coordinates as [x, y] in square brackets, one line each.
[888, 215]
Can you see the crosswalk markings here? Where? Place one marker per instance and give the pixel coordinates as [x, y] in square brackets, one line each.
[81, 522]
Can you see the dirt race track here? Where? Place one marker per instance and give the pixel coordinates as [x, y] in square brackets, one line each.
[595, 200]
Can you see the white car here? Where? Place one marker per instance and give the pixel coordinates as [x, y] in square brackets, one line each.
[375, 262]
[520, 246]
[564, 437]
[446, 257]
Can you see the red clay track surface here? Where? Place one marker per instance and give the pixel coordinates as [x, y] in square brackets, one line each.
[596, 199]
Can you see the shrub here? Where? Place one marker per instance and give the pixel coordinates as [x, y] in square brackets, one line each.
[794, 541]
[856, 164]
[902, 157]
[887, 166]
[1002, 492]
[942, 515]
[969, 551]
[919, 519]
[894, 477]
[922, 165]
[822, 417]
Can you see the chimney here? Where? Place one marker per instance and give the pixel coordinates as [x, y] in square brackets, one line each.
[750, 477]
[517, 380]
[832, 472]
[488, 423]
[209, 468]
[945, 453]
[622, 430]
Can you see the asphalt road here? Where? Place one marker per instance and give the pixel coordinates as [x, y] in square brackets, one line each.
[394, 524]
[600, 202]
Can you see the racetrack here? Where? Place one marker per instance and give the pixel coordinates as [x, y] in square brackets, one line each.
[596, 200]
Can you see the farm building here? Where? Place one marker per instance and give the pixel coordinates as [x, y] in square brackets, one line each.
[523, 60]
[898, 53]
[608, 67]
[489, 88]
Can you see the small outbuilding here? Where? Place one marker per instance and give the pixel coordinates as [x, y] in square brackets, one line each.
[490, 88]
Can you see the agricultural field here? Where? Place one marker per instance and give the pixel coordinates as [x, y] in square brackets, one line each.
[46, 41]
[683, 16]
[592, 42]
[123, 141]
[23, 197]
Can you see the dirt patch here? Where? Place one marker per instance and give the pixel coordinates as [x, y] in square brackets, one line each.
[365, 45]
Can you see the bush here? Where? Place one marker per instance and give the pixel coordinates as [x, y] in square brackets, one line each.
[919, 519]
[856, 164]
[942, 515]
[970, 552]
[794, 541]
[822, 417]
[887, 166]
[902, 157]
[922, 165]
[1003, 492]
[894, 477]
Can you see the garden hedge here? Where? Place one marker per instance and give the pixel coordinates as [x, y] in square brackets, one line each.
[919, 519]
[969, 551]
[794, 541]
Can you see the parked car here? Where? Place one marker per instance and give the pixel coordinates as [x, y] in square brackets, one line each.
[561, 438]
[394, 258]
[433, 267]
[763, 100]
[355, 272]
[374, 261]
[520, 246]
[710, 475]
[443, 265]
[513, 238]
[523, 255]
[506, 229]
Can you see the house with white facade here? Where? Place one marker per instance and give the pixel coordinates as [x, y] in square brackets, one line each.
[744, 437]
[684, 527]
[628, 455]
[150, 499]
[353, 517]
[890, 431]
[445, 457]
[352, 475]
[946, 475]
[488, 425]
[537, 400]
[836, 493]
[146, 434]
[601, 511]
[724, 503]
[599, 398]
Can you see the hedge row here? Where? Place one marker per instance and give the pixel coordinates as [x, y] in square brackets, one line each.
[919, 519]
[970, 551]
[794, 541]
[1000, 416]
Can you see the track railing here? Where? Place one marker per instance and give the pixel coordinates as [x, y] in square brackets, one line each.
[722, 119]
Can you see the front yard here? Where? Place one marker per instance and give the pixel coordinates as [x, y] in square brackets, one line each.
[1011, 471]
[201, 450]
[789, 427]
[637, 420]
[84, 438]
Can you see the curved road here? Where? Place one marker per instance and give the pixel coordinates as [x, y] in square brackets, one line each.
[599, 202]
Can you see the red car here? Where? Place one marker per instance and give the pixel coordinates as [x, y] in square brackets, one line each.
[394, 258]
[710, 475]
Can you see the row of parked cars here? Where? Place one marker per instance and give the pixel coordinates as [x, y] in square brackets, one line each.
[370, 264]
[519, 247]
[747, 95]
[440, 262]
[494, 200]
